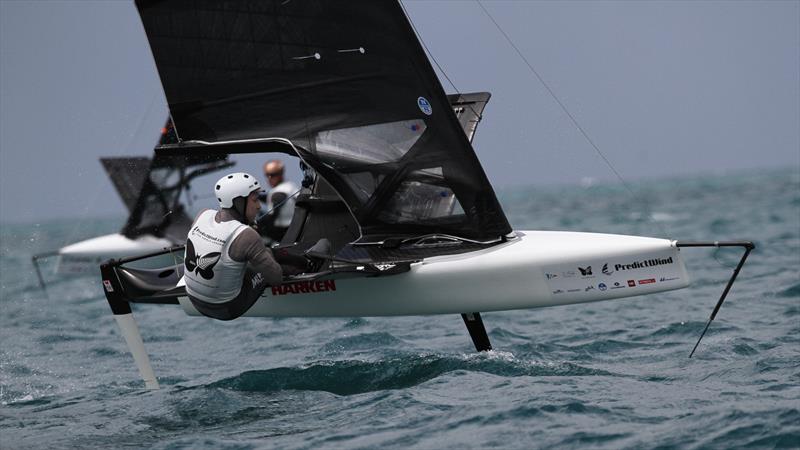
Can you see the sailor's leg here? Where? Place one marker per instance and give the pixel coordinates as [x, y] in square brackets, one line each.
[477, 331]
[253, 285]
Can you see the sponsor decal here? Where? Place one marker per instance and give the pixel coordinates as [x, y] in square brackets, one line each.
[602, 286]
[196, 232]
[257, 279]
[569, 274]
[425, 106]
[108, 286]
[617, 285]
[558, 291]
[662, 279]
[631, 283]
[585, 272]
[202, 265]
[383, 267]
[573, 290]
[588, 288]
[647, 281]
[304, 287]
[606, 269]
[550, 276]
[645, 263]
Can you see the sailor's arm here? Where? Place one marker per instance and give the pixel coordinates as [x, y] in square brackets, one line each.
[249, 247]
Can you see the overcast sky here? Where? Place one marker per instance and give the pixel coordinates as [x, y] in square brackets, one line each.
[662, 88]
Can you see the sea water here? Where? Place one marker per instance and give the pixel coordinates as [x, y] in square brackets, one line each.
[612, 374]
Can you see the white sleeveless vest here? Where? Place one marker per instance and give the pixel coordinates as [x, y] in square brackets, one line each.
[287, 209]
[211, 275]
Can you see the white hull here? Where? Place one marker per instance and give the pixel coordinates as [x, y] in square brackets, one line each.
[537, 269]
[86, 256]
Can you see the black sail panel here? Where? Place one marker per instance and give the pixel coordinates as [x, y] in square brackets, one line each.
[348, 83]
[128, 174]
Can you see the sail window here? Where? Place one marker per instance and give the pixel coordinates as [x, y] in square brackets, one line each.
[370, 144]
[160, 197]
[422, 199]
[364, 183]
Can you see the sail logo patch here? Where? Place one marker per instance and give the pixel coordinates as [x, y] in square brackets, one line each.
[108, 286]
[424, 106]
[606, 271]
[585, 272]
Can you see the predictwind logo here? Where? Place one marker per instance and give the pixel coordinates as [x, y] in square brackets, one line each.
[644, 263]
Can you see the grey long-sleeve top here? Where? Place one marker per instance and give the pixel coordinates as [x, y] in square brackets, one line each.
[248, 247]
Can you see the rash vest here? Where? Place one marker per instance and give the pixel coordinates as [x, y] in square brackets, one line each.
[287, 208]
[211, 275]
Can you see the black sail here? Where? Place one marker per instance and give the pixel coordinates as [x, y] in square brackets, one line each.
[348, 83]
[128, 175]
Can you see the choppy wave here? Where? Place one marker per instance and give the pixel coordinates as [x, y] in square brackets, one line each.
[357, 377]
[603, 375]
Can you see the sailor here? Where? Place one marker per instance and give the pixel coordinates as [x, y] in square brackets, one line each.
[226, 264]
[279, 202]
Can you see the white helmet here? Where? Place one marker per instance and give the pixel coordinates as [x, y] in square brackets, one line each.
[235, 185]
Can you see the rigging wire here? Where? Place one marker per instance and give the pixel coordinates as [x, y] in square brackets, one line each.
[571, 117]
[274, 207]
[433, 58]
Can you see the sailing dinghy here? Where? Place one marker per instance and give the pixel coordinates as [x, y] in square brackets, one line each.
[392, 181]
[151, 190]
